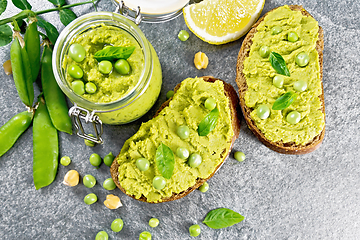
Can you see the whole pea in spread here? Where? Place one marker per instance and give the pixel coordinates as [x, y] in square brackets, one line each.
[259, 75]
[186, 108]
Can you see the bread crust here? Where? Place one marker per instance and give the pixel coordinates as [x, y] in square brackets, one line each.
[234, 105]
[286, 148]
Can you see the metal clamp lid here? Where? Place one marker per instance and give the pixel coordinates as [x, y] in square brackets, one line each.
[77, 113]
[132, 14]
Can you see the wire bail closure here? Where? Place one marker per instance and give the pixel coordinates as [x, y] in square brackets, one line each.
[134, 15]
[77, 114]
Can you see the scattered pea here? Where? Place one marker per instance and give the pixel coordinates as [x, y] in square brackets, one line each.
[300, 85]
[278, 81]
[77, 52]
[183, 131]
[102, 235]
[65, 161]
[95, 159]
[105, 67]
[182, 152]
[204, 187]
[240, 156]
[89, 142]
[159, 182]
[183, 35]
[122, 66]
[89, 181]
[276, 30]
[302, 59]
[108, 159]
[90, 87]
[145, 236]
[169, 94]
[75, 71]
[263, 111]
[194, 230]
[153, 222]
[194, 160]
[210, 103]
[293, 117]
[142, 164]
[109, 184]
[78, 87]
[90, 198]
[264, 51]
[292, 37]
[117, 225]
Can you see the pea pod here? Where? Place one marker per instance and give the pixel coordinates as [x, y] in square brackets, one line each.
[54, 97]
[32, 46]
[12, 130]
[45, 148]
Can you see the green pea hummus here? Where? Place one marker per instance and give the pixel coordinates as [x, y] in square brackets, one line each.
[259, 76]
[186, 108]
[113, 86]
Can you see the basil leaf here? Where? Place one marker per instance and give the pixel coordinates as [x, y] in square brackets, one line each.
[165, 162]
[3, 4]
[222, 218]
[22, 4]
[51, 31]
[67, 16]
[5, 35]
[278, 63]
[58, 3]
[284, 101]
[114, 53]
[208, 123]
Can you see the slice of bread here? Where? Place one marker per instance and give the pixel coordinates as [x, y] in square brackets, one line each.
[290, 147]
[231, 94]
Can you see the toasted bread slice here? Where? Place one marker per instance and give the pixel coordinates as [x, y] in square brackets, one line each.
[234, 104]
[289, 147]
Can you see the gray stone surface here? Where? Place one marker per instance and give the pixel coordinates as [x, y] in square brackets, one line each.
[313, 196]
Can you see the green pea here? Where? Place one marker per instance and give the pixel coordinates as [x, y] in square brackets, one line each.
[65, 161]
[159, 182]
[78, 87]
[102, 235]
[183, 35]
[142, 164]
[89, 181]
[194, 230]
[204, 187]
[77, 52]
[75, 71]
[90, 198]
[276, 30]
[210, 103]
[109, 184]
[240, 156]
[293, 117]
[95, 159]
[292, 37]
[122, 66]
[194, 160]
[183, 131]
[263, 111]
[105, 67]
[117, 225]
[108, 159]
[302, 59]
[145, 236]
[90, 87]
[278, 81]
[264, 51]
[89, 142]
[169, 94]
[300, 85]
[153, 222]
[182, 152]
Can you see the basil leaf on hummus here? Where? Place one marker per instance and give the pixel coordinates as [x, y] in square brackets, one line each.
[284, 101]
[114, 53]
[278, 63]
[165, 161]
[208, 123]
[222, 218]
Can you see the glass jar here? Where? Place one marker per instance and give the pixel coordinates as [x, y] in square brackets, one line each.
[135, 103]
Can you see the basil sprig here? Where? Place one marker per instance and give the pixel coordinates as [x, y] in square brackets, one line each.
[208, 123]
[284, 101]
[278, 63]
[222, 218]
[114, 53]
[165, 162]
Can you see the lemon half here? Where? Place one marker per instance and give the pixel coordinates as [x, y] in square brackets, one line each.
[222, 21]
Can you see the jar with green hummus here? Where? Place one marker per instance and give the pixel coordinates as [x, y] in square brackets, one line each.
[118, 98]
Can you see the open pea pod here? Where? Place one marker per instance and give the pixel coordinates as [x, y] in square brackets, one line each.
[32, 46]
[45, 148]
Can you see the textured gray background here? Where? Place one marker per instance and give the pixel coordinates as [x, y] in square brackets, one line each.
[313, 196]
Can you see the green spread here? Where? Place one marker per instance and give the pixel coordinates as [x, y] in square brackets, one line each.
[259, 77]
[186, 108]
